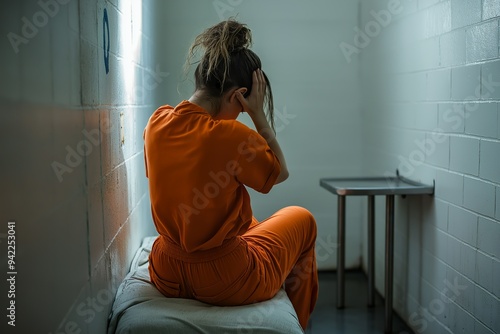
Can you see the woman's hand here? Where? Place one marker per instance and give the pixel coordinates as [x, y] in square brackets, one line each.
[254, 103]
[254, 106]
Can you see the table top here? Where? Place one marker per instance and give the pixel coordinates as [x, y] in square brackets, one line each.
[396, 185]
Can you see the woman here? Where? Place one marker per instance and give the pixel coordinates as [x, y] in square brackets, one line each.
[199, 160]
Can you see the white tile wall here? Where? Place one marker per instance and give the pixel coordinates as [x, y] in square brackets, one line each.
[440, 220]
[496, 272]
[482, 42]
[100, 285]
[482, 120]
[433, 272]
[490, 158]
[437, 151]
[488, 236]
[427, 117]
[462, 224]
[435, 241]
[491, 8]
[464, 155]
[453, 48]
[449, 187]
[484, 271]
[464, 13]
[467, 260]
[464, 81]
[437, 20]
[452, 117]
[430, 59]
[460, 320]
[479, 196]
[438, 87]
[90, 61]
[95, 225]
[417, 83]
[490, 83]
[77, 235]
[463, 242]
[487, 308]
[465, 294]
[426, 3]
[498, 127]
[497, 209]
[480, 328]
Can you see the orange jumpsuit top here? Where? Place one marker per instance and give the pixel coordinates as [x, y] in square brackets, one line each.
[198, 168]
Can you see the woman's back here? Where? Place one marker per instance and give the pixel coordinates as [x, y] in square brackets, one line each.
[196, 168]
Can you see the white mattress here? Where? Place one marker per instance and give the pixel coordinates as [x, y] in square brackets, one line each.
[140, 308]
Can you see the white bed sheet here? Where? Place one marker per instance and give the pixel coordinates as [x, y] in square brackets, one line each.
[140, 308]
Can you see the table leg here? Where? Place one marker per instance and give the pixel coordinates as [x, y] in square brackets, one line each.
[389, 260]
[341, 252]
[371, 250]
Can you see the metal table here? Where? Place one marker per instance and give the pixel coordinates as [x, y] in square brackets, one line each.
[371, 186]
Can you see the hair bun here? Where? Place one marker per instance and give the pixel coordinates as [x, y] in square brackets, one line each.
[238, 35]
[226, 36]
[219, 42]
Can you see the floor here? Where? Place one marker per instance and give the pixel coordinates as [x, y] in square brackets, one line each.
[355, 317]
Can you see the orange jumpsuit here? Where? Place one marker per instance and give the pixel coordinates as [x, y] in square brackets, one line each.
[210, 247]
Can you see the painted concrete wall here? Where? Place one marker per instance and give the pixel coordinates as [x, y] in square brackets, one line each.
[431, 89]
[74, 102]
[316, 98]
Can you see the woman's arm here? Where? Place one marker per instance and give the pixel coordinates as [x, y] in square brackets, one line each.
[263, 128]
[253, 105]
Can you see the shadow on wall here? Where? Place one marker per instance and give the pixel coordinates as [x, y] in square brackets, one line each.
[76, 93]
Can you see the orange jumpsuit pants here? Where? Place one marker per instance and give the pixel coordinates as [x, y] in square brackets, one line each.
[248, 268]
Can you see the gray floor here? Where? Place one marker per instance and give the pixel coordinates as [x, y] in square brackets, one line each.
[355, 317]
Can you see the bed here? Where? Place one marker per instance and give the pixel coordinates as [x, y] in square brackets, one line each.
[140, 308]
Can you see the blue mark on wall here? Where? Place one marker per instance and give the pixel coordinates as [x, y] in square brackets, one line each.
[105, 46]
